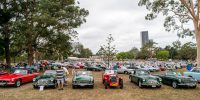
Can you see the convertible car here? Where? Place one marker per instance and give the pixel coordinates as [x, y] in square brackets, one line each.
[175, 79]
[3, 73]
[143, 78]
[83, 78]
[124, 70]
[19, 77]
[194, 73]
[93, 68]
[46, 80]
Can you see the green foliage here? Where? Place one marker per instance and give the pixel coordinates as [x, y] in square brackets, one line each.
[188, 51]
[81, 52]
[122, 55]
[163, 55]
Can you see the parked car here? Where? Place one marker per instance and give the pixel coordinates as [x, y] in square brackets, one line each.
[3, 73]
[194, 73]
[111, 79]
[19, 77]
[102, 67]
[124, 70]
[48, 79]
[93, 68]
[175, 79]
[144, 78]
[83, 78]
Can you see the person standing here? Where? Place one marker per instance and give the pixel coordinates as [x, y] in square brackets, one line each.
[65, 75]
[60, 77]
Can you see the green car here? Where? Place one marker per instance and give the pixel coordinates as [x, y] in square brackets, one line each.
[46, 80]
[175, 79]
[144, 78]
[83, 78]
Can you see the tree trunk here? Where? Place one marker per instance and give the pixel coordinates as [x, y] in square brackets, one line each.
[198, 47]
[7, 48]
[30, 54]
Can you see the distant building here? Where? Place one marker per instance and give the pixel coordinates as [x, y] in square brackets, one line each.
[144, 37]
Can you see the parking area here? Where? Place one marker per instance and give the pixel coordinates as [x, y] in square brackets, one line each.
[130, 92]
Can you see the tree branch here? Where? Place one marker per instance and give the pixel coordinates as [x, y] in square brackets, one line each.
[188, 7]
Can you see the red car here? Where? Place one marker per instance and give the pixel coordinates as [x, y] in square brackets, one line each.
[3, 73]
[111, 79]
[19, 77]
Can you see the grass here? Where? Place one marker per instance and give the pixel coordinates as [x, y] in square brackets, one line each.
[130, 92]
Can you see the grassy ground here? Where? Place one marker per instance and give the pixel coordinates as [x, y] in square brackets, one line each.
[130, 92]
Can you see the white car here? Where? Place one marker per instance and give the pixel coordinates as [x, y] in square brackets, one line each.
[124, 70]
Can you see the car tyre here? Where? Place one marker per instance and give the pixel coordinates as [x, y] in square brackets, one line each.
[92, 86]
[35, 87]
[73, 86]
[159, 86]
[131, 79]
[18, 83]
[194, 87]
[140, 84]
[121, 84]
[106, 85]
[174, 85]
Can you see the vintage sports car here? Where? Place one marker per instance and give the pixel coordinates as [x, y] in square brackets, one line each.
[194, 73]
[46, 80]
[19, 77]
[144, 78]
[175, 79]
[83, 78]
[124, 70]
[93, 68]
[111, 79]
[3, 73]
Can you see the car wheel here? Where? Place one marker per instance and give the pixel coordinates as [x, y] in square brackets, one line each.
[55, 86]
[92, 86]
[103, 81]
[140, 84]
[35, 87]
[73, 86]
[121, 84]
[159, 86]
[18, 83]
[131, 80]
[194, 87]
[106, 85]
[174, 85]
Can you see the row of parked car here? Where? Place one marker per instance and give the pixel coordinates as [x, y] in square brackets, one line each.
[110, 78]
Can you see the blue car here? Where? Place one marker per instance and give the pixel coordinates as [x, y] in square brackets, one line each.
[194, 73]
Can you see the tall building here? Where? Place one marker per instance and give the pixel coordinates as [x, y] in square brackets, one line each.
[144, 37]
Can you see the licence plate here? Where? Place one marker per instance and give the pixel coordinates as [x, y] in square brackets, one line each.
[114, 84]
[153, 85]
[2, 83]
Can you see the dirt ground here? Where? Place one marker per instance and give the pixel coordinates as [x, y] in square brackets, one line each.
[130, 92]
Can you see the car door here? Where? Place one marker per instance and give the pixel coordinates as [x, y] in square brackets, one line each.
[134, 77]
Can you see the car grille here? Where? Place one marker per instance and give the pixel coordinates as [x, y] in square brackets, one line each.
[3, 82]
[152, 82]
[42, 82]
[84, 82]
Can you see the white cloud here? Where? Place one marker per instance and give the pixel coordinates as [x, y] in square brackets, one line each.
[124, 19]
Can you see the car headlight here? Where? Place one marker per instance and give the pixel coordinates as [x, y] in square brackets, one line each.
[179, 80]
[12, 79]
[143, 80]
[160, 79]
[52, 79]
[34, 79]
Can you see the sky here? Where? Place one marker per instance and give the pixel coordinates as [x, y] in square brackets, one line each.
[124, 19]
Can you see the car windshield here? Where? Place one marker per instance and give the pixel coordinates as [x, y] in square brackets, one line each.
[173, 73]
[109, 72]
[196, 70]
[20, 72]
[50, 73]
[83, 73]
[143, 72]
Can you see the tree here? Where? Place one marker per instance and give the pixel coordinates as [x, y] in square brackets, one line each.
[109, 49]
[42, 20]
[163, 55]
[81, 52]
[133, 53]
[178, 13]
[122, 55]
[8, 11]
[188, 51]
